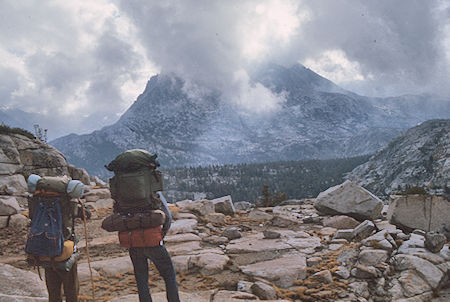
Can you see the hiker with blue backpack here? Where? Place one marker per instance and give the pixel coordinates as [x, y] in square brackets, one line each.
[51, 243]
[142, 218]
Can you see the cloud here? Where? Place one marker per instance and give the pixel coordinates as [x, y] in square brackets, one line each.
[211, 43]
[82, 63]
[74, 62]
[375, 47]
[397, 46]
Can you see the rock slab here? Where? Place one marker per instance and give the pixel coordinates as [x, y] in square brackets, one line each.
[351, 200]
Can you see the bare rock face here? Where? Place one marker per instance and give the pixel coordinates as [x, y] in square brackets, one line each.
[351, 200]
[22, 155]
[264, 291]
[418, 157]
[422, 212]
[8, 206]
[18, 285]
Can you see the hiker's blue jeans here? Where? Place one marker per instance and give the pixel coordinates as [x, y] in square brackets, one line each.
[161, 258]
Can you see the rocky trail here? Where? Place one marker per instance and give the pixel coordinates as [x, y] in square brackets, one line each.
[232, 252]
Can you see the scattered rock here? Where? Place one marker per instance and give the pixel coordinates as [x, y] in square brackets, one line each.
[313, 261]
[435, 241]
[224, 205]
[380, 240]
[363, 230]
[184, 237]
[445, 230]
[231, 296]
[424, 268]
[361, 289]
[4, 221]
[351, 200]
[199, 296]
[340, 222]
[113, 266]
[217, 240]
[263, 291]
[255, 244]
[259, 215]
[19, 284]
[323, 276]
[372, 257]
[244, 286]
[348, 257]
[311, 219]
[183, 226]
[217, 218]
[8, 205]
[270, 234]
[412, 283]
[242, 205]
[284, 221]
[342, 272]
[232, 233]
[181, 263]
[365, 272]
[209, 263]
[18, 221]
[346, 234]
[201, 207]
[183, 247]
[282, 271]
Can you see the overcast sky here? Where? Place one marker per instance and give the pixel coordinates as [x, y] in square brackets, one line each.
[81, 64]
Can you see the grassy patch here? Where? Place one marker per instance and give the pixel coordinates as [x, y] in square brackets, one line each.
[4, 129]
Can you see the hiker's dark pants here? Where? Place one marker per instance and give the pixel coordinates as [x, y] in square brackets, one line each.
[69, 280]
[161, 258]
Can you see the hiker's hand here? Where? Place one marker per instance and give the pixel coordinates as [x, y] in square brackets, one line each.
[87, 213]
[86, 210]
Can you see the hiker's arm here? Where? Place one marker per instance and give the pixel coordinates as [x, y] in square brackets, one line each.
[165, 209]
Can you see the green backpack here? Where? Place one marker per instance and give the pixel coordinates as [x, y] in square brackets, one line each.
[136, 181]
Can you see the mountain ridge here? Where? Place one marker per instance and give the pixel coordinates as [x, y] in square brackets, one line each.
[313, 123]
[419, 157]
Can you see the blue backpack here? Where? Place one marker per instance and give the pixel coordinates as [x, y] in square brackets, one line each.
[45, 237]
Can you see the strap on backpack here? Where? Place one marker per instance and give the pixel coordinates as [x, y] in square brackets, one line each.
[36, 266]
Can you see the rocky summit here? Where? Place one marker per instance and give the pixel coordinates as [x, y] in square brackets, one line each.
[315, 119]
[420, 157]
[21, 156]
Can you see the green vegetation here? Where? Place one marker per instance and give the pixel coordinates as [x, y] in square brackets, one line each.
[297, 179]
[4, 129]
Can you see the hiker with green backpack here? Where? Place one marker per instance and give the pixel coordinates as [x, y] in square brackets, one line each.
[51, 242]
[142, 218]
